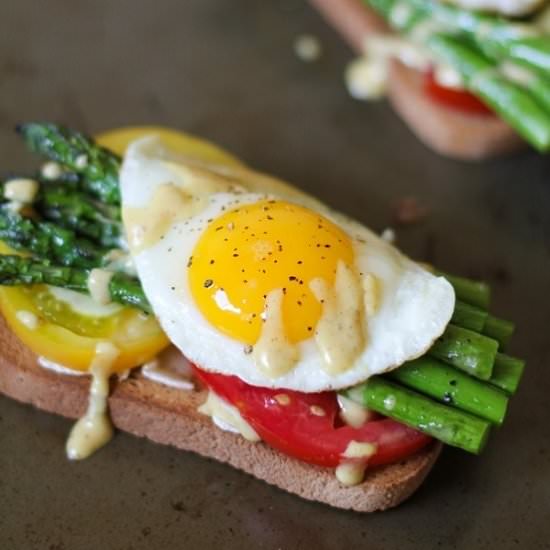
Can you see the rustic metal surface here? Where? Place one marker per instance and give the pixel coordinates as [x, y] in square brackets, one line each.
[226, 70]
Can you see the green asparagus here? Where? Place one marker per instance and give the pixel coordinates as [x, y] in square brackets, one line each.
[468, 316]
[498, 329]
[97, 166]
[507, 373]
[78, 212]
[512, 102]
[452, 387]
[466, 350]
[48, 240]
[17, 270]
[472, 292]
[447, 424]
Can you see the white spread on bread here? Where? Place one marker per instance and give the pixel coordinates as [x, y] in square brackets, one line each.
[94, 429]
[227, 417]
[341, 319]
[98, 285]
[22, 190]
[169, 368]
[48, 364]
[273, 353]
[27, 318]
[351, 412]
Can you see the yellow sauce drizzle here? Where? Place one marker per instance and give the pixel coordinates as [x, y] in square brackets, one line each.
[273, 353]
[341, 320]
[98, 285]
[94, 429]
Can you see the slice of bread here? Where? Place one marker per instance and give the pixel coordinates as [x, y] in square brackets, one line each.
[169, 416]
[448, 131]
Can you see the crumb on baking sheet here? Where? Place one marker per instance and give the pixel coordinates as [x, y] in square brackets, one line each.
[307, 48]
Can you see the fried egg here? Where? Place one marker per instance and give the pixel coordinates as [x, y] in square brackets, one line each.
[251, 277]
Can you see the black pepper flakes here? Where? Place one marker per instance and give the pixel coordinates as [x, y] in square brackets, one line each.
[208, 283]
[248, 349]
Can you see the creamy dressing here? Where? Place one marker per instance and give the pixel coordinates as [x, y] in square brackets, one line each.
[341, 320]
[359, 449]
[353, 414]
[169, 368]
[98, 285]
[81, 162]
[170, 203]
[51, 170]
[94, 429]
[227, 417]
[27, 318]
[350, 473]
[367, 77]
[22, 190]
[273, 353]
[120, 260]
[448, 77]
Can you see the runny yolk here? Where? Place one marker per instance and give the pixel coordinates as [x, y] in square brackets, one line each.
[254, 249]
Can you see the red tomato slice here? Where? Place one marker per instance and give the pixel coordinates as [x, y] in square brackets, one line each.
[457, 99]
[305, 425]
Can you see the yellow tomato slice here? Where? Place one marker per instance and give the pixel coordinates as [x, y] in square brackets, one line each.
[118, 140]
[70, 338]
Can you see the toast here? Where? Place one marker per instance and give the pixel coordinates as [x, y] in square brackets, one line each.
[169, 416]
[448, 131]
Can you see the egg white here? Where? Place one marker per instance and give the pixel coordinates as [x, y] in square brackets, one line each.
[415, 306]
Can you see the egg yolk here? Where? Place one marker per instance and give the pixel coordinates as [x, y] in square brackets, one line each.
[254, 249]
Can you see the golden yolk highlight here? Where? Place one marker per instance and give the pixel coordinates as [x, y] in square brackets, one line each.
[254, 249]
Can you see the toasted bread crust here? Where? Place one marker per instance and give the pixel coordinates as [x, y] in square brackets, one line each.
[169, 416]
[448, 131]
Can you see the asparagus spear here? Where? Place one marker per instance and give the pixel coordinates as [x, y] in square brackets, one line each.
[466, 350]
[77, 211]
[97, 166]
[507, 373]
[450, 386]
[17, 270]
[495, 36]
[472, 292]
[47, 240]
[513, 103]
[468, 316]
[498, 329]
[449, 425]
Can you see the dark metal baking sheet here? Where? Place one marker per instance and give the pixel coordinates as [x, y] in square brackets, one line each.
[226, 70]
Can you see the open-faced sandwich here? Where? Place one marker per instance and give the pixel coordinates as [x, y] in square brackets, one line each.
[470, 77]
[179, 295]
